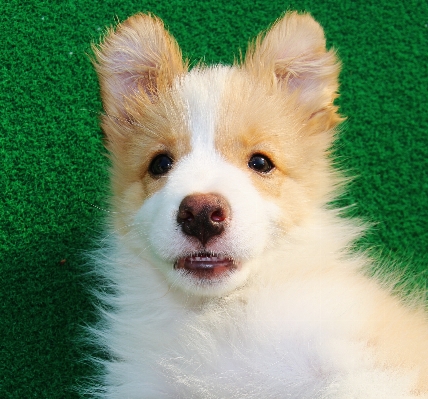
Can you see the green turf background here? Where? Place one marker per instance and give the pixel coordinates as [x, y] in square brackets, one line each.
[52, 167]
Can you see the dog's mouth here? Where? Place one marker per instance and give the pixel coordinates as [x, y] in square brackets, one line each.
[206, 265]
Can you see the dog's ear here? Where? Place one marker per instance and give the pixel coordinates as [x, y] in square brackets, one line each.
[293, 55]
[137, 59]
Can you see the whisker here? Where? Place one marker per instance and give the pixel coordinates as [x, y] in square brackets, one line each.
[98, 207]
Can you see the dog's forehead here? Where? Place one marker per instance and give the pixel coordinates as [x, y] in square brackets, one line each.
[201, 92]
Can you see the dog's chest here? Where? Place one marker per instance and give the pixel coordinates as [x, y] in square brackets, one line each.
[203, 351]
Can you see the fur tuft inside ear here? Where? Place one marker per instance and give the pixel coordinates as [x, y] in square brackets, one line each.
[294, 53]
[139, 57]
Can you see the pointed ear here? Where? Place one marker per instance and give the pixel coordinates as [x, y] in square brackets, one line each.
[138, 58]
[294, 53]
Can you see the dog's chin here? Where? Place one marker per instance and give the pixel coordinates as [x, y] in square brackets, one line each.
[208, 274]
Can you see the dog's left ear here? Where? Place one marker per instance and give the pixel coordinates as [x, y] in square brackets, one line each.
[137, 59]
[293, 55]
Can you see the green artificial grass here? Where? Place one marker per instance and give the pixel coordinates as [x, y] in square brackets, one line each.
[53, 167]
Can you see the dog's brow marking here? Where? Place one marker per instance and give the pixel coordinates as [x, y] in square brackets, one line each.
[201, 91]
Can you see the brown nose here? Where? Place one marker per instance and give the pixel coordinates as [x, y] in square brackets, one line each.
[203, 216]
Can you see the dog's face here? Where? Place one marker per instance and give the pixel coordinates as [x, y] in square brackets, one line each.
[212, 167]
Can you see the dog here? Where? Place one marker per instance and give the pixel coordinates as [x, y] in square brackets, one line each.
[226, 272]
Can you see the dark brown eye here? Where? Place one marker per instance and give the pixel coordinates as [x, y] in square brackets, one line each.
[160, 165]
[260, 163]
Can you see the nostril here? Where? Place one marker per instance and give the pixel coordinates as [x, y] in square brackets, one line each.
[185, 215]
[218, 216]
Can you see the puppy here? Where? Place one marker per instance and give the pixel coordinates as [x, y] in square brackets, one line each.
[226, 274]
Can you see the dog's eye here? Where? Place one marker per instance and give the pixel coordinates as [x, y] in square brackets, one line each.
[260, 163]
[160, 165]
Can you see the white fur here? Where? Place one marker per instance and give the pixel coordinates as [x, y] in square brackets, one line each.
[201, 93]
[289, 323]
[291, 333]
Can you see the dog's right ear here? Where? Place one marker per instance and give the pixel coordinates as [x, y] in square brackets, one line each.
[293, 56]
[137, 59]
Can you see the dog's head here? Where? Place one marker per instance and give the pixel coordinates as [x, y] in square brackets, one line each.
[212, 167]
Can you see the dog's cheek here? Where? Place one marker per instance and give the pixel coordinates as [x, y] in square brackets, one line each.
[160, 234]
[130, 196]
[290, 197]
[250, 231]
[125, 207]
[295, 204]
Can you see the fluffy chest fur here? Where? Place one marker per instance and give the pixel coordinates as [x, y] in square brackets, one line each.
[228, 276]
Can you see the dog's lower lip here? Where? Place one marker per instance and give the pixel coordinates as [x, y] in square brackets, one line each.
[206, 265]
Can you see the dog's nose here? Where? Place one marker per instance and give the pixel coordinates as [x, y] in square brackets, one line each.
[203, 216]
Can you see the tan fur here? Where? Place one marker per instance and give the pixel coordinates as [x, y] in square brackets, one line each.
[156, 129]
[136, 65]
[294, 52]
[269, 110]
[138, 57]
[400, 335]
[280, 102]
